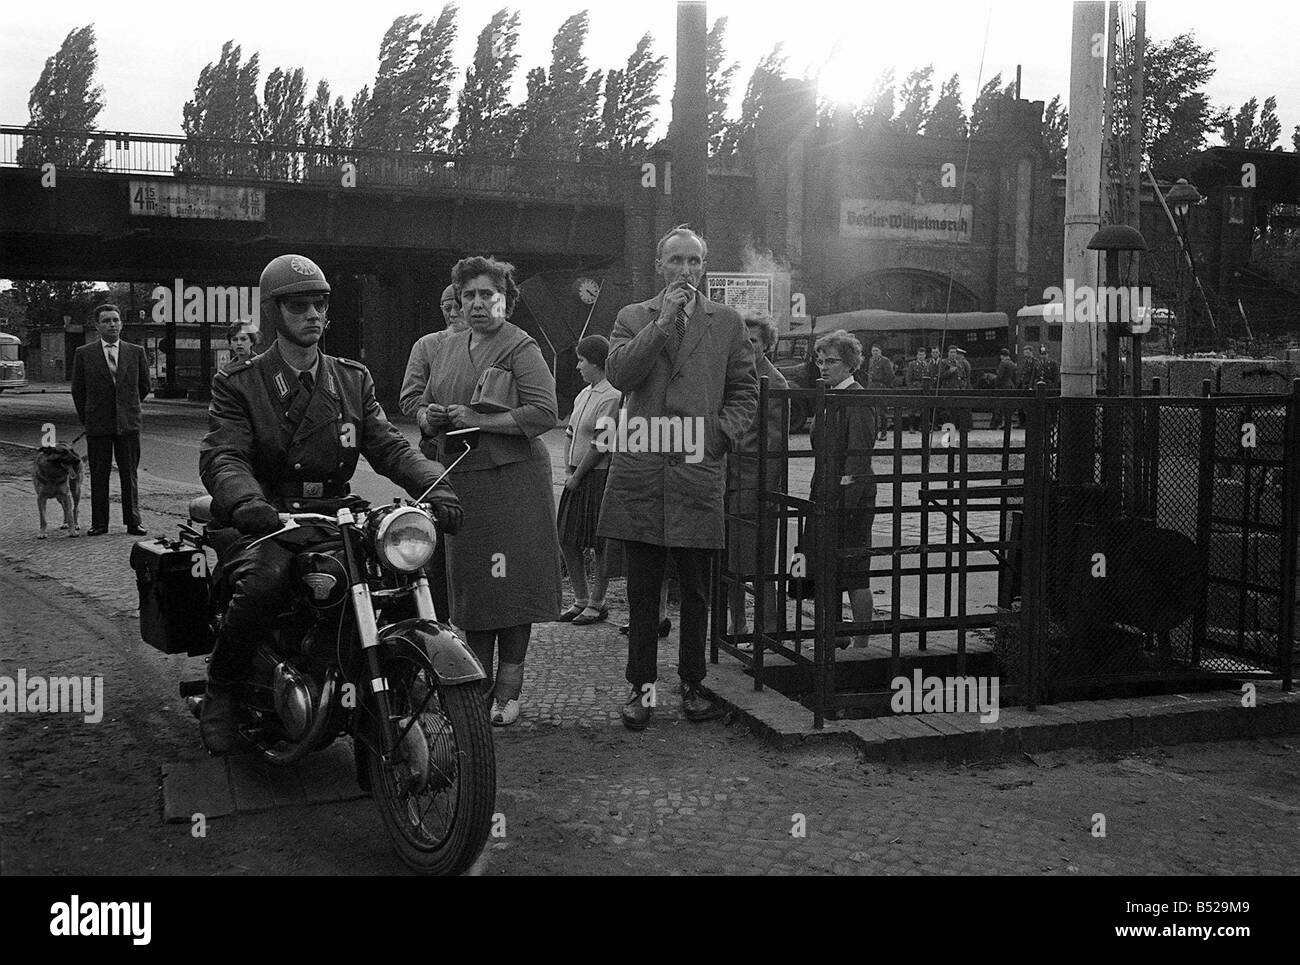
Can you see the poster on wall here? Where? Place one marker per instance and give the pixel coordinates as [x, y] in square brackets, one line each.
[741, 291]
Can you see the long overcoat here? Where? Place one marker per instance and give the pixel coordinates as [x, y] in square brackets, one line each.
[668, 498]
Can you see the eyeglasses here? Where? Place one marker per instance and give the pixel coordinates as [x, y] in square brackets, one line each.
[299, 306]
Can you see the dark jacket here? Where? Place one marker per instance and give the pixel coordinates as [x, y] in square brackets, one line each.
[107, 406]
[1027, 373]
[657, 497]
[915, 373]
[252, 449]
[954, 375]
[1006, 375]
[880, 373]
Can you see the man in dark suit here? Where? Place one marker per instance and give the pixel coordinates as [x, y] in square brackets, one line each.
[110, 377]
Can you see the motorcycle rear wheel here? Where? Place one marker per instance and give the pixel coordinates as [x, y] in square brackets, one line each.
[434, 837]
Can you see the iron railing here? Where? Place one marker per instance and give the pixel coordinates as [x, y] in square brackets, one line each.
[1129, 543]
[158, 155]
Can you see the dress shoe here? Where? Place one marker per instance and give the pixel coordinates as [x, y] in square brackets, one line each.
[217, 719]
[699, 704]
[583, 619]
[635, 712]
[665, 627]
[505, 713]
[97, 531]
[137, 531]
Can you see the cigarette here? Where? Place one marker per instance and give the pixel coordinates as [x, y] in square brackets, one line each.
[691, 287]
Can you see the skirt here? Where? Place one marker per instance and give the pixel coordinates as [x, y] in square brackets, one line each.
[503, 567]
[579, 510]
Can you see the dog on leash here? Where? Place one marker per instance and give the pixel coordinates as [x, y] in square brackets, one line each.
[56, 474]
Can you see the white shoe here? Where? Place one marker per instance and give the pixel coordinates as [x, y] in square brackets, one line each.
[503, 715]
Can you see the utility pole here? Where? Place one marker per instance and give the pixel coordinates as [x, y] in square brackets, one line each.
[1083, 194]
[688, 134]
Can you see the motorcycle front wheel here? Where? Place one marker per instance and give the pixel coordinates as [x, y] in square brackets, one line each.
[437, 791]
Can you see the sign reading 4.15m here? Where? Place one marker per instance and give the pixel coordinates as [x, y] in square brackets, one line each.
[218, 202]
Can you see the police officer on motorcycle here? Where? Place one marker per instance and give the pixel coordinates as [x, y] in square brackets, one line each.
[285, 429]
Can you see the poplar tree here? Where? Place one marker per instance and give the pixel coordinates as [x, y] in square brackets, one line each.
[981, 112]
[224, 107]
[915, 95]
[485, 124]
[630, 98]
[388, 122]
[67, 98]
[738, 139]
[560, 116]
[431, 75]
[947, 117]
[719, 84]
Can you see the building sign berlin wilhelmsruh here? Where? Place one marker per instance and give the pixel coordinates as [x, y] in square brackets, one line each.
[171, 199]
[867, 218]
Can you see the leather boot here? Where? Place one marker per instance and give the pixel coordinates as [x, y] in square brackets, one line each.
[217, 718]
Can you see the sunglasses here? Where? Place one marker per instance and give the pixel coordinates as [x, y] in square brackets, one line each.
[299, 306]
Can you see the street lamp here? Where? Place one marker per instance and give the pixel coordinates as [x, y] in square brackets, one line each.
[1181, 197]
[1113, 239]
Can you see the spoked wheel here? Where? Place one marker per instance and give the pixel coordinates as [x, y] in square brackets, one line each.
[437, 791]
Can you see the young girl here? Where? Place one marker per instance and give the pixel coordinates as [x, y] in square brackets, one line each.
[584, 486]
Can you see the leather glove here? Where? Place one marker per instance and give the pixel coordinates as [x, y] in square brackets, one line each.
[446, 510]
[256, 517]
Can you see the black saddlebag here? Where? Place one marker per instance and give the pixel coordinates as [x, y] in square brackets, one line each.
[175, 596]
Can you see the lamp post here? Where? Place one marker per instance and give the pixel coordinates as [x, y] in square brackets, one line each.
[1181, 197]
[1113, 239]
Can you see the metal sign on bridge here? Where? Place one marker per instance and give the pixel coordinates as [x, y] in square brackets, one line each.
[217, 202]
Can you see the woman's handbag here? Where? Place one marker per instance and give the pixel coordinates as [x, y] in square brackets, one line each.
[495, 391]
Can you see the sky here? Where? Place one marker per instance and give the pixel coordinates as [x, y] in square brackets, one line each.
[150, 53]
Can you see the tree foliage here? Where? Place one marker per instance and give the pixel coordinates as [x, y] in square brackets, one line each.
[630, 98]
[1242, 130]
[948, 117]
[1176, 112]
[432, 74]
[918, 88]
[981, 112]
[46, 302]
[485, 122]
[560, 116]
[66, 98]
[719, 84]
[877, 111]
[224, 107]
[738, 140]
[1056, 130]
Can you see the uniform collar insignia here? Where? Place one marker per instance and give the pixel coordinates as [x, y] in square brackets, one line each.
[281, 384]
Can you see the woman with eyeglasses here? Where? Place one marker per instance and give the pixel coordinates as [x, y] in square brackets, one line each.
[839, 355]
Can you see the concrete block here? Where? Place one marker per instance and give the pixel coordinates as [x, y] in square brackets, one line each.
[1254, 376]
[196, 787]
[1153, 370]
[1185, 376]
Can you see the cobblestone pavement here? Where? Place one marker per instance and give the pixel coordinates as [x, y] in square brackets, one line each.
[580, 794]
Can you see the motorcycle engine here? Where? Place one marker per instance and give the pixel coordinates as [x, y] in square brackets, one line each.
[296, 700]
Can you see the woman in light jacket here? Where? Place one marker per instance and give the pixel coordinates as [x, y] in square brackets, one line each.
[504, 564]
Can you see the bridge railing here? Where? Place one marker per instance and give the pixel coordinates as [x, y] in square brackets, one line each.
[202, 159]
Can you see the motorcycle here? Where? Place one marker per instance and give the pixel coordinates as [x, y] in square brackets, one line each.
[359, 652]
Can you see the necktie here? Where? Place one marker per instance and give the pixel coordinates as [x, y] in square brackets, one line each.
[112, 359]
[681, 325]
[307, 381]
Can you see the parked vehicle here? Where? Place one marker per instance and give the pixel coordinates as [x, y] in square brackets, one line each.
[13, 372]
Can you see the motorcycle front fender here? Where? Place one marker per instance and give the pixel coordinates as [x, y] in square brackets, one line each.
[452, 660]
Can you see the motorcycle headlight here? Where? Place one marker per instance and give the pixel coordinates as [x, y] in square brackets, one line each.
[405, 539]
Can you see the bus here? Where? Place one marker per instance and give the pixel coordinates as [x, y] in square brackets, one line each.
[13, 372]
[1038, 325]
